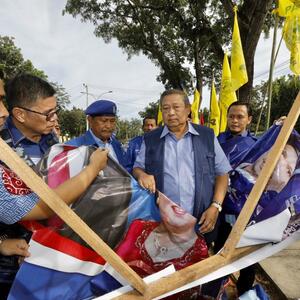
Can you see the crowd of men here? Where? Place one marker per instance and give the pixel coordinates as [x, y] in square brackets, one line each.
[183, 160]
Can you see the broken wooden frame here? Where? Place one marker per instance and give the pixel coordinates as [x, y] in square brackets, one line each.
[179, 278]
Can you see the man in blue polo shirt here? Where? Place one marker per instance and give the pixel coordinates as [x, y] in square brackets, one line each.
[237, 139]
[102, 122]
[184, 161]
[32, 106]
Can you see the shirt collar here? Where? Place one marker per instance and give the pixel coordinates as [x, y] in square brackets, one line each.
[98, 141]
[243, 134]
[16, 135]
[191, 130]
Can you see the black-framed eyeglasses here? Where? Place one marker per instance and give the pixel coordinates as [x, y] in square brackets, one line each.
[49, 116]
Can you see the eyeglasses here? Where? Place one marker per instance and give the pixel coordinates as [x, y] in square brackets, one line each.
[49, 116]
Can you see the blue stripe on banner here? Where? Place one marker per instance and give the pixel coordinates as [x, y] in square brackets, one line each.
[142, 204]
[104, 283]
[47, 284]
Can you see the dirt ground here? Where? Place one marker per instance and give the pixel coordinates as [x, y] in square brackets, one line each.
[260, 278]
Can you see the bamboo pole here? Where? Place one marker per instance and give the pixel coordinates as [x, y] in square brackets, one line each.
[272, 63]
[33, 181]
[187, 275]
[262, 179]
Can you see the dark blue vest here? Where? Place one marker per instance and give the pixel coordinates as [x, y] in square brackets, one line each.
[204, 155]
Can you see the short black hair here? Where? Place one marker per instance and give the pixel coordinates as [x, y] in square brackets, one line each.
[236, 103]
[25, 89]
[175, 92]
[147, 118]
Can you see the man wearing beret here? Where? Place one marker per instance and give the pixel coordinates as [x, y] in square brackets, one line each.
[102, 123]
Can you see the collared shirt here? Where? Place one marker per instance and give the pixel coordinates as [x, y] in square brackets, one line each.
[34, 150]
[179, 169]
[107, 145]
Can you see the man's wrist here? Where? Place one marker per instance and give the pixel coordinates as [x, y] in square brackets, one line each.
[217, 205]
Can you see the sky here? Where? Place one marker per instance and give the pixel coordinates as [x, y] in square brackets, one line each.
[70, 54]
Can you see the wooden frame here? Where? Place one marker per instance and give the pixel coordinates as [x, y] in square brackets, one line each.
[179, 278]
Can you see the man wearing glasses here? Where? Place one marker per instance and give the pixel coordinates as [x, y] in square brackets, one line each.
[33, 107]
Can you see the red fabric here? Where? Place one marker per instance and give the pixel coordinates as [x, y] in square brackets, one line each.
[202, 121]
[133, 251]
[13, 183]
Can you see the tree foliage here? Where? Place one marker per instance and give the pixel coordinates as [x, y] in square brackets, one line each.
[12, 63]
[72, 122]
[177, 34]
[284, 92]
[126, 129]
[150, 110]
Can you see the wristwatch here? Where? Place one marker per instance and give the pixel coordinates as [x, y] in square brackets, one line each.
[217, 204]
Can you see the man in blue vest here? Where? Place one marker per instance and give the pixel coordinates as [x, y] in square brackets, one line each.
[134, 145]
[184, 161]
[102, 122]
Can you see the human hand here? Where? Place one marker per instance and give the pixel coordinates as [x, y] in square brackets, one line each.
[208, 220]
[147, 182]
[279, 121]
[98, 159]
[14, 247]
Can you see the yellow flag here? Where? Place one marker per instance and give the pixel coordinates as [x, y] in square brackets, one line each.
[214, 117]
[288, 7]
[238, 67]
[195, 107]
[291, 36]
[159, 116]
[227, 94]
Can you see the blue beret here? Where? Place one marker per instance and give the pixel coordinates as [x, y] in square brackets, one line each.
[101, 107]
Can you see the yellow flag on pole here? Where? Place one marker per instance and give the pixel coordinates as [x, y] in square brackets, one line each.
[214, 117]
[239, 74]
[159, 116]
[195, 107]
[227, 94]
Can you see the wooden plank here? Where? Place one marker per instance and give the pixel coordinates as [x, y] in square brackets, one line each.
[187, 275]
[33, 181]
[262, 179]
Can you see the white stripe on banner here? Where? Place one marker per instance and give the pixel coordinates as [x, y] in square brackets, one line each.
[49, 258]
[125, 289]
[239, 264]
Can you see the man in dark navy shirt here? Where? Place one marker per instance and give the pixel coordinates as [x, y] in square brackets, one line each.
[134, 145]
[32, 106]
[235, 142]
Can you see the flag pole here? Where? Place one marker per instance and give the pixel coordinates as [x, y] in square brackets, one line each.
[272, 63]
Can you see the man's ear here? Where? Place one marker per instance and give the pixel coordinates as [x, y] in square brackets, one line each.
[18, 114]
[249, 120]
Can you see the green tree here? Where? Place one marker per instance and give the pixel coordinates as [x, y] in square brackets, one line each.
[72, 122]
[284, 92]
[127, 129]
[150, 110]
[12, 63]
[175, 34]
